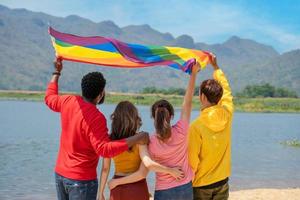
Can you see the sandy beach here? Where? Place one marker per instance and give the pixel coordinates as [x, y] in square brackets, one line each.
[253, 194]
[266, 194]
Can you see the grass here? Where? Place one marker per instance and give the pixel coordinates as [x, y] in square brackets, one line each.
[291, 143]
[280, 105]
[267, 104]
[15, 95]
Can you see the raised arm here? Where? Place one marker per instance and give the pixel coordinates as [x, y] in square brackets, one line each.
[188, 97]
[58, 67]
[52, 99]
[103, 178]
[219, 75]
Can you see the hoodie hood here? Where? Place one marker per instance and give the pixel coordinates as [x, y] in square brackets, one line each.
[215, 118]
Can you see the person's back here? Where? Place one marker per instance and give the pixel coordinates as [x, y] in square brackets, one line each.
[172, 152]
[132, 166]
[128, 161]
[169, 145]
[77, 157]
[84, 136]
[125, 122]
[210, 139]
[214, 129]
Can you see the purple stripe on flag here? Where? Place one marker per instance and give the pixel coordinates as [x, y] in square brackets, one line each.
[77, 40]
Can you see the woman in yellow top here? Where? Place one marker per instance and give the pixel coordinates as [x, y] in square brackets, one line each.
[125, 123]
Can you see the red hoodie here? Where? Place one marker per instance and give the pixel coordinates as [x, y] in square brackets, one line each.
[84, 136]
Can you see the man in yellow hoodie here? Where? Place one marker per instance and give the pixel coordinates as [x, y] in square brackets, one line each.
[210, 138]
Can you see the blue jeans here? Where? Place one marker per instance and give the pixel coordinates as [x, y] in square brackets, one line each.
[182, 192]
[69, 189]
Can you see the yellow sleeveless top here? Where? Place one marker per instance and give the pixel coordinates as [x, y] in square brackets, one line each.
[128, 161]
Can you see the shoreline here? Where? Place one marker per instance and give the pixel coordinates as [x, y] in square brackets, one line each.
[251, 105]
[247, 194]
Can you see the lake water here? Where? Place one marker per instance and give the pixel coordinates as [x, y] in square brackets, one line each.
[29, 137]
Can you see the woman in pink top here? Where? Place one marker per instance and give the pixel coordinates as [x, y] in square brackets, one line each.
[169, 147]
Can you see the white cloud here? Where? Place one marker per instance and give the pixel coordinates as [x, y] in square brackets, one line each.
[215, 22]
[210, 22]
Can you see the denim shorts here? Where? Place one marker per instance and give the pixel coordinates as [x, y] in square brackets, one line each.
[182, 192]
[69, 189]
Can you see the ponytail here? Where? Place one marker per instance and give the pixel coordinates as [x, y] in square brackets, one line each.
[162, 112]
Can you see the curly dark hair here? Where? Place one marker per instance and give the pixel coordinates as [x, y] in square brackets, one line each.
[92, 84]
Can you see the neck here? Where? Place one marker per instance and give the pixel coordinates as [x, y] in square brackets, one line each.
[90, 101]
[206, 105]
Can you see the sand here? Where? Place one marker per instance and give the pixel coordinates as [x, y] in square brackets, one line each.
[253, 194]
[266, 194]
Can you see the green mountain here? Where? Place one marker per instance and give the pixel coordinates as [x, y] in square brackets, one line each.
[280, 71]
[26, 56]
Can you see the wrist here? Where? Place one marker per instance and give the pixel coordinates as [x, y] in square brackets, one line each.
[194, 74]
[135, 139]
[116, 182]
[215, 67]
[56, 73]
[170, 170]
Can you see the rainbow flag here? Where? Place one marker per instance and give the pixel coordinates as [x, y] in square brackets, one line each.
[111, 52]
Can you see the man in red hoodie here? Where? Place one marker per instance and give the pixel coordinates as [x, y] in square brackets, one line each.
[84, 136]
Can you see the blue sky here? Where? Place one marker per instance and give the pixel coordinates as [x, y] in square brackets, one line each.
[272, 22]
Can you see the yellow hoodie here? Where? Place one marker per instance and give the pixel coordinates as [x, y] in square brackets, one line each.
[210, 139]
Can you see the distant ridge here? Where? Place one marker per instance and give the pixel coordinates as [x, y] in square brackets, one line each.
[26, 56]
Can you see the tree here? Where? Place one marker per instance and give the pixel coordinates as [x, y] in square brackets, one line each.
[266, 90]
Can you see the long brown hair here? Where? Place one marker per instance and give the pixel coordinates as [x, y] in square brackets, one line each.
[125, 121]
[162, 112]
